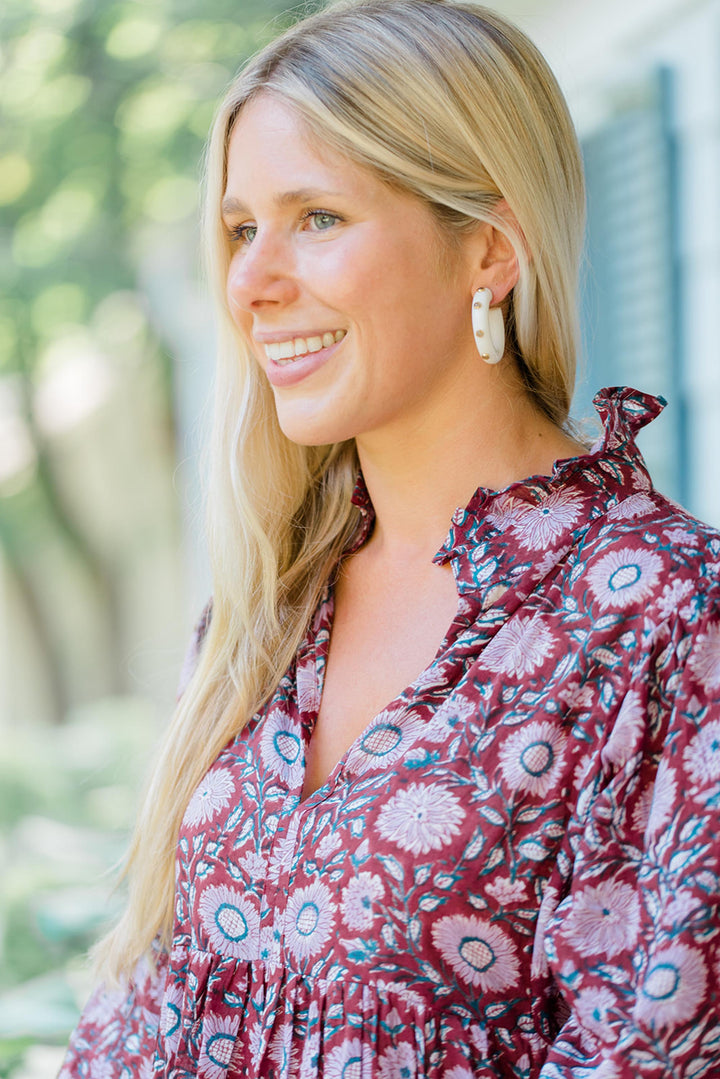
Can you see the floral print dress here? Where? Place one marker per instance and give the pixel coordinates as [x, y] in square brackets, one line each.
[513, 871]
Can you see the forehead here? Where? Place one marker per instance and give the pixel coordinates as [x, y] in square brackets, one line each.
[272, 136]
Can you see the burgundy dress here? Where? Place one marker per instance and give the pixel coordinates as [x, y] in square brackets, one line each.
[513, 871]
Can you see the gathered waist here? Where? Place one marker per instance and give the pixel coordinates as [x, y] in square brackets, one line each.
[224, 1018]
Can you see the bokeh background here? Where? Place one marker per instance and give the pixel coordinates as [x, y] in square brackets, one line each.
[106, 352]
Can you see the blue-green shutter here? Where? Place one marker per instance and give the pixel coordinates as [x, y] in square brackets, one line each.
[631, 290]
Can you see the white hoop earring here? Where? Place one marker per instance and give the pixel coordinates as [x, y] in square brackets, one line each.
[488, 327]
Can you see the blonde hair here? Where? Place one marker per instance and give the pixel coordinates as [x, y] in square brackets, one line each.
[444, 100]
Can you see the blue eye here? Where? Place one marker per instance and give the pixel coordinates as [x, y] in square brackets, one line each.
[242, 234]
[321, 219]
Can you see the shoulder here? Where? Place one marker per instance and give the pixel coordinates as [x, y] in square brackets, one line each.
[648, 556]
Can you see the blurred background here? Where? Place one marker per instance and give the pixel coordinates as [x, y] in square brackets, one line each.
[106, 352]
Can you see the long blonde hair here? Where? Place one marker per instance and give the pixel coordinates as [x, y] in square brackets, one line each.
[445, 100]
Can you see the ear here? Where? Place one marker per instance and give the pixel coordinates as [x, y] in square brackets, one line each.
[495, 260]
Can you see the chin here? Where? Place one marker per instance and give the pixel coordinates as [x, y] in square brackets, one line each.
[306, 432]
[314, 427]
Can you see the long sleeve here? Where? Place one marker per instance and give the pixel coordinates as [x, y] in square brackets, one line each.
[635, 944]
[117, 1033]
[116, 1037]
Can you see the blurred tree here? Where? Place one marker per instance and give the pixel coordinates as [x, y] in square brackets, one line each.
[104, 108]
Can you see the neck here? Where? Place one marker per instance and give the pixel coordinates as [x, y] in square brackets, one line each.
[417, 477]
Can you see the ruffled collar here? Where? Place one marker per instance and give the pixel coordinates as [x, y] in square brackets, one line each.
[546, 514]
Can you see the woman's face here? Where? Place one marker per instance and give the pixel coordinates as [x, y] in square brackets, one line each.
[355, 308]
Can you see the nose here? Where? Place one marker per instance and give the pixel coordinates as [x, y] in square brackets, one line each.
[261, 273]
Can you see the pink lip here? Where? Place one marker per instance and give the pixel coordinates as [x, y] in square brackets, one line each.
[291, 373]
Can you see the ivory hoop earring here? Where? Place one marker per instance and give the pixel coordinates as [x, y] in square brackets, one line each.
[488, 327]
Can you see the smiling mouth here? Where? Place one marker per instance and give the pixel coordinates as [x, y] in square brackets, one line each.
[284, 352]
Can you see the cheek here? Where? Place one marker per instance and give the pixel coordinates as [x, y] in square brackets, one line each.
[243, 323]
[237, 313]
[357, 274]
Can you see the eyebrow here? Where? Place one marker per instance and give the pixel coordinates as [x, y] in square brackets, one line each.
[232, 205]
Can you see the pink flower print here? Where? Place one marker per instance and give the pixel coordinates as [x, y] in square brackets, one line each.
[256, 1041]
[219, 1034]
[281, 1049]
[421, 818]
[309, 920]
[398, 1062]
[269, 948]
[479, 1039]
[307, 687]
[479, 952]
[327, 846]
[548, 907]
[103, 1005]
[455, 711]
[522, 645]
[702, 755]
[254, 865]
[545, 562]
[310, 1054]
[358, 899]
[664, 799]
[593, 1007]
[384, 741]
[641, 812]
[101, 1068]
[627, 733]
[403, 991]
[283, 852]
[537, 527]
[505, 511]
[633, 506]
[230, 920]
[282, 748]
[532, 757]
[681, 909]
[624, 577]
[681, 537]
[352, 1059]
[171, 1015]
[212, 795]
[673, 596]
[673, 987]
[506, 891]
[604, 920]
[704, 661]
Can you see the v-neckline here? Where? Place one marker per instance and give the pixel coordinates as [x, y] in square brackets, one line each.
[319, 653]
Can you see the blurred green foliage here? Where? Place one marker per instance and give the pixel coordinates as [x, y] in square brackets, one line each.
[104, 109]
[65, 808]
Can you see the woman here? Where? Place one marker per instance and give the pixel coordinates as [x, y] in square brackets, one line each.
[364, 854]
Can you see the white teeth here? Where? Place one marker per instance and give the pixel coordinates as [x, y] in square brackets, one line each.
[284, 351]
